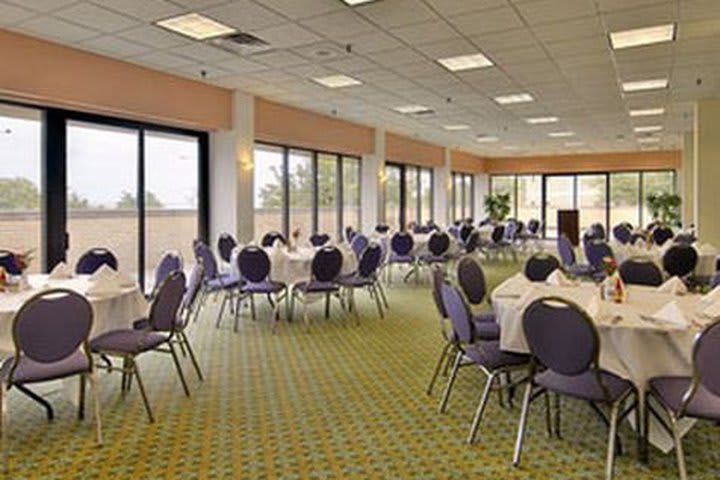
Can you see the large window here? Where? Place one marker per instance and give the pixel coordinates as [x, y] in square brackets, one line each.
[529, 197]
[463, 196]
[408, 195]
[654, 183]
[20, 191]
[560, 195]
[592, 199]
[306, 190]
[625, 198]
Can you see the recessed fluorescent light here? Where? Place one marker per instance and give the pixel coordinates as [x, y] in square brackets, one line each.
[510, 147]
[642, 36]
[648, 129]
[487, 139]
[561, 134]
[541, 120]
[514, 98]
[456, 128]
[465, 62]
[648, 140]
[337, 81]
[574, 144]
[641, 85]
[646, 112]
[195, 26]
[411, 109]
[355, 3]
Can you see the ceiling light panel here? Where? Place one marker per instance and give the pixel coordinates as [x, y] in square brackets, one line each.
[487, 139]
[541, 120]
[642, 36]
[648, 140]
[355, 3]
[646, 112]
[411, 109]
[648, 129]
[337, 81]
[574, 144]
[514, 98]
[644, 85]
[195, 26]
[561, 134]
[465, 62]
[456, 128]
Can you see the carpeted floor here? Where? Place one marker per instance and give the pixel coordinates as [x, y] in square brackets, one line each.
[339, 402]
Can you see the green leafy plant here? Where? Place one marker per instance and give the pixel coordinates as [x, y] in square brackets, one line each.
[497, 206]
[665, 207]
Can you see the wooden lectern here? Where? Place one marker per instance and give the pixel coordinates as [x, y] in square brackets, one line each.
[568, 222]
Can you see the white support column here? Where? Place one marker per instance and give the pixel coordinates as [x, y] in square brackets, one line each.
[231, 173]
[442, 190]
[686, 180]
[707, 170]
[372, 190]
[482, 188]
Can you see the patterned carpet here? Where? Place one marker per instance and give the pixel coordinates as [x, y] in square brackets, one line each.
[339, 402]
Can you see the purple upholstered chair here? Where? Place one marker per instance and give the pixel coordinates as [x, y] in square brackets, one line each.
[50, 333]
[471, 279]
[499, 243]
[636, 237]
[438, 247]
[325, 269]
[595, 252]
[622, 233]
[349, 233]
[641, 272]
[715, 280]
[565, 349]
[226, 244]
[94, 259]
[214, 280]
[454, 230]
[8, 262]
[358, 244]
[269, 239]
[128, 343]
[465, 231]
[697, 396]
[661, 235]
[365, 277]
[171, 261]
[486, 354]
[401, 252]
[540, 266]
[448, 352]
[254, 266]
[319, 239]
[189, 309]
[567, 256]
[472, 243]
[680, 260]
[382, 228]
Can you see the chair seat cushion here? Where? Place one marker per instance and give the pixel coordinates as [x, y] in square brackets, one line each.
[395, 258]
[584, 386]
[485, 327]
[433, 258]
[317, 287]
[355, 281]
[127, 341]
[489, 355]
[225, 280]
[29, 371]
[267, 286]
[144, 323]
[670, 391]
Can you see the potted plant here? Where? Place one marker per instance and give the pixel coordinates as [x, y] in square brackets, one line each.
[497, 206]
[665, 208]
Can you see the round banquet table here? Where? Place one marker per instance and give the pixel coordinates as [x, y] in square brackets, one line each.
[633, 344]
[706, 255]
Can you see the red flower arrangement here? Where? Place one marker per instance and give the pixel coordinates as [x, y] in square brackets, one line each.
[609, 265]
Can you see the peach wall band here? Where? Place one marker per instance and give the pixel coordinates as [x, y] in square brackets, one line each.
[400, 149]
[466, 162]
[591, 162]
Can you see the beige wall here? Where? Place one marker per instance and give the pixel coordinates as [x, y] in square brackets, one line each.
[46, 73]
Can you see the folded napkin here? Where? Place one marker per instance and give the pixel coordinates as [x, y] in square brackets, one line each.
[124, 280]
[712, 309]
[671, 313]
[673, 285]
[103, 272]
[104, 285]
[558, 279]
[61, 271]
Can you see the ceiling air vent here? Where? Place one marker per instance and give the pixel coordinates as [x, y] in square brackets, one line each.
[241, 43]
[428, 112]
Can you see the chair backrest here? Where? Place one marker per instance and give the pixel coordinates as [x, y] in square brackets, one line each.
[327, 264]
[193, 287]
[471, 279]
[715, 280]
[454, 230]
[438, 278]
[51, 326]
[596, 251]
[622, 233]
[166, 303]
[661, 235]
[641, 272]
[254, 264]
[680, 260]
[597, 231]
[511, 228]
[566, 251]
[382, 228]
[207, 257]
[458, 312]
[635, 237]
[94, 259]
[319, 239]
[540, 266]
[498, 233]
[685, 237]
[705, 357]
[171, 261]
[439, 243]
[349, 233]
[533, 225]
[465, 232]
[226, 244]
[359, 244]
[402, 243]
[269, 239]
[370, 260]
[561, 336]
[9, 263]
[472, 242]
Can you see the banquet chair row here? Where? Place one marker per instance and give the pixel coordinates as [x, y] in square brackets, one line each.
[87, 264]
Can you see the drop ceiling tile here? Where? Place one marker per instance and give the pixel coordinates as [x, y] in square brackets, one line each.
[428, 32]
[369, 43]
[279, 59]
[589, 46]
[351, 64]
[447, 48]
[339, 25]
[322, 52]
[195, 4]
[518, 55]
[211, 72]
[163, 60]
[298, 10]
[457, 7]
[399, 56]
[487, 21]
[114, 46]
[641, 17]
[202, 52]
[420, 69]
[397, 13]
[56, 29]
[514, 38]
[287, 35]
[569, 29]
[242, 65]
[12, 15]
[42, 5]
[244, 15]
[145, 10]
[611, 5]
[547, 11]
[98, 18]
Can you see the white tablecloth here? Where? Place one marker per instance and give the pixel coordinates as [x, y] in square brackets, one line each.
[110, 312]
[706, 255]
[634, 347]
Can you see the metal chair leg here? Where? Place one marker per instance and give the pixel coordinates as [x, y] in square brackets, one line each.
[3, 427]
[96, 407]
[252, 307]
[381, 289]
[678, 448]
[191, 353]
[610, 464]
[81, 399]
[136, 372]
[557, 415]
[450, 382]
[523, 424]
[176, 361]
[442, 359]
[548, 416]
[327, 305]
[481, 408]
[377, 302]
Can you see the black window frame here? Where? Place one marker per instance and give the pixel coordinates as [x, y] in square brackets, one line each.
[467, 205]
[406, 170]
